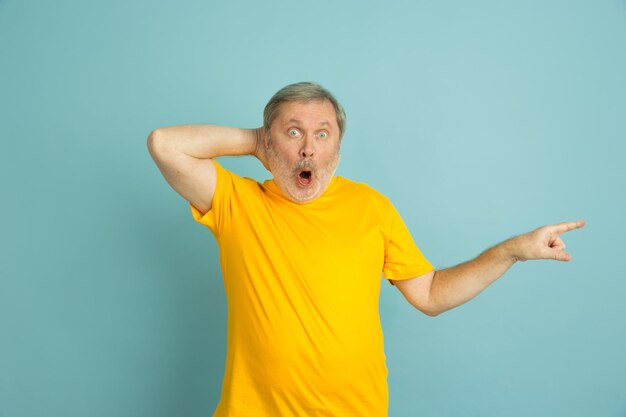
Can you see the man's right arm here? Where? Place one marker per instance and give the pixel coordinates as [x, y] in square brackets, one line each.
[183, 155]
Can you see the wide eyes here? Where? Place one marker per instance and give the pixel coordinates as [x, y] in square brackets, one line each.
[295, 133]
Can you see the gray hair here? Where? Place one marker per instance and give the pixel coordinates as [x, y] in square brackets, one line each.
[303, 91]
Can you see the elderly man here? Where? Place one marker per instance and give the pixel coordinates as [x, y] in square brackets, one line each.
[302, 256]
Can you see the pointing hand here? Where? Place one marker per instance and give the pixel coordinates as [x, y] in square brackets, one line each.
[544, 242]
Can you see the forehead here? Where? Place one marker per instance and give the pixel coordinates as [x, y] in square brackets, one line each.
[313, 113]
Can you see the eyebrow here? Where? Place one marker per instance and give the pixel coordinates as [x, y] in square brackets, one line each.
[300, 122]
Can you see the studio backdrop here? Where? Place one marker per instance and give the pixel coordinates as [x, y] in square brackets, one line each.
[479, 120]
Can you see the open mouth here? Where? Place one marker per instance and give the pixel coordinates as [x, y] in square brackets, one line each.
[305, 178]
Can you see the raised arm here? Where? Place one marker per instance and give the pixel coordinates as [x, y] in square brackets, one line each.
[183, 155]
[442, 290]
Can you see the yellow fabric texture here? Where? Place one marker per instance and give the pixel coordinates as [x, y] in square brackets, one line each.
[302, 283]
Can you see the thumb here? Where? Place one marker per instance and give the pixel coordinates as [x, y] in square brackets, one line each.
[560, 255]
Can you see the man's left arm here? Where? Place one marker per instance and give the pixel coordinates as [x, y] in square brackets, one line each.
[439, 291]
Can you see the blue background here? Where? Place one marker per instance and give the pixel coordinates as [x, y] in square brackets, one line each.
[480, 120]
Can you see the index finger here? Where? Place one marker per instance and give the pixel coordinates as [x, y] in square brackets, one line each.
[567, 226]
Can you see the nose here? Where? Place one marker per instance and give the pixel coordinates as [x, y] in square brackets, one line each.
[307, 151]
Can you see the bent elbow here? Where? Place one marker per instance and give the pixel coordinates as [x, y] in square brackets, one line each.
[157, 144]
[153, 141]
[425, 307]
[430, 311]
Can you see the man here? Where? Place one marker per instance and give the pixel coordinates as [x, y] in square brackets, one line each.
[302, 257]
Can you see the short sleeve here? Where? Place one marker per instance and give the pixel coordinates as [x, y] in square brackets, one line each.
[219, 213]
[403, 259]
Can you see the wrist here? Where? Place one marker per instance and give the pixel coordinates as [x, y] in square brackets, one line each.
[249, 141]
[259, 150]
[509, 250]
[259, 140]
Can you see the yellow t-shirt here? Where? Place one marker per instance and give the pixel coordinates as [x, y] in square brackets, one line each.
[302, 283]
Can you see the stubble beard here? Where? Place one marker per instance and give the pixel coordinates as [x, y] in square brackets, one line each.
[285, 176]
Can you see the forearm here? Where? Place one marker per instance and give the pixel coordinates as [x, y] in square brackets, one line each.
[204, 141]
[454, 286]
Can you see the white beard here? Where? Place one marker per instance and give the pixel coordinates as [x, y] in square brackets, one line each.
[286, 179]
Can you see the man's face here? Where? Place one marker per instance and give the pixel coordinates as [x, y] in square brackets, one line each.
[304, 149]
